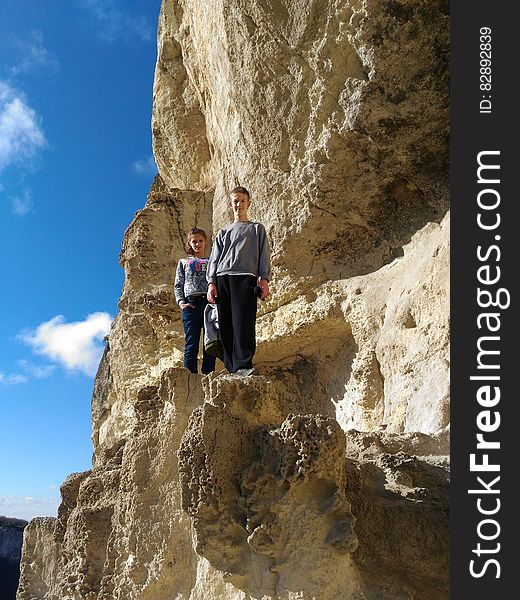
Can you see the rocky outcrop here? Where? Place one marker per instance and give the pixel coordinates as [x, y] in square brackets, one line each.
[398, 486]
[325, 474]
[11, 536]
[268, 490]
[334, 112]
[209, 498]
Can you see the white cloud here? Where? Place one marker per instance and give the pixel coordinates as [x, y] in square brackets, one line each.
[145, 166]
[20, 134]
[33, 55]
[22, 204]
[77, 346]
[30, 370]
[37, 371]
[114, 23]
[12, 379]
[28, 507]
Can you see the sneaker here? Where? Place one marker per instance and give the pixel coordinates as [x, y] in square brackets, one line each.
[244, 372]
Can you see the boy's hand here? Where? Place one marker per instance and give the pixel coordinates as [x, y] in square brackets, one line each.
[212, 293]
[264, 286]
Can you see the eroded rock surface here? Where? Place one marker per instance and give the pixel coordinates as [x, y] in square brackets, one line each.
[325, 475]
[218, 492]
[261, 486]
[333, 112]
[399, 489]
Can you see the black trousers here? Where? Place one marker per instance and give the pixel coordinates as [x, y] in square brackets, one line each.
[236, 307]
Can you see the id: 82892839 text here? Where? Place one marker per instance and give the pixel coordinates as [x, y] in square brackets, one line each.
[485, 70]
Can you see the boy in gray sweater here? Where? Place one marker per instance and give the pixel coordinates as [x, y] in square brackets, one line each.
[238, 272]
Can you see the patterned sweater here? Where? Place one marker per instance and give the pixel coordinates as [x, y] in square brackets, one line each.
[190, 278]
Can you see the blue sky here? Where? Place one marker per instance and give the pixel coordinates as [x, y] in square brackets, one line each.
[75, 165]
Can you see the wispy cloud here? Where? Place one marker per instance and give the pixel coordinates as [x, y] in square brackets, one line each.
[77, 346]
[32, 55]
[114, 23]
[22, 204]
[12, 379]
[28, 507]
[20, 134]
[145, 166]
[37, 371]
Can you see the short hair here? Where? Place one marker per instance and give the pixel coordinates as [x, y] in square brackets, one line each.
[240, 190]
[192, 233]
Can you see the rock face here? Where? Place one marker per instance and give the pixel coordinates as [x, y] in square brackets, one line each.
[11, 537]
[268, 490]
[325, 476]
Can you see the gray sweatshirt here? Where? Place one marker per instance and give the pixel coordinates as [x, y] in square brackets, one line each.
[190, 279]
[239, 249]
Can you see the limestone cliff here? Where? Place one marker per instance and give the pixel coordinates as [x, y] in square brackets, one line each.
[325, 475]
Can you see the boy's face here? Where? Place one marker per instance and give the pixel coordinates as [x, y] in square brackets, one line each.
[239, 203]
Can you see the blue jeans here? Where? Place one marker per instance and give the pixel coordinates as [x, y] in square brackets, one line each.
[193, 321]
